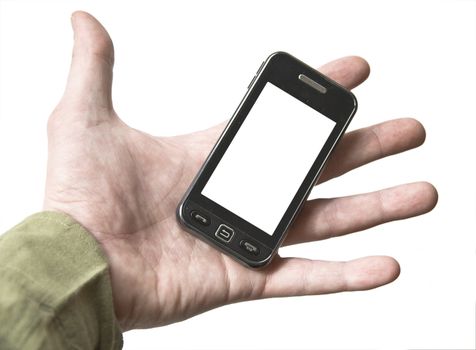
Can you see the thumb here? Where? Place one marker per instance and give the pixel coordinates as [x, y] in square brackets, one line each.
[90, 77]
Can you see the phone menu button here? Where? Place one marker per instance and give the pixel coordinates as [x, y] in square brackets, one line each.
[224, 233]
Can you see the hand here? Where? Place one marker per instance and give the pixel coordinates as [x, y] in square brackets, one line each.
[123, 186]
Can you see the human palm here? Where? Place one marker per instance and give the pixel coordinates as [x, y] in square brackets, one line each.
[124, 185]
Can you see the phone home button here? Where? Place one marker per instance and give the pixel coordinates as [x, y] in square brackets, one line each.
[224, 233]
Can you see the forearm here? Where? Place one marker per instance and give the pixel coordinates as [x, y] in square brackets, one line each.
[55, 291]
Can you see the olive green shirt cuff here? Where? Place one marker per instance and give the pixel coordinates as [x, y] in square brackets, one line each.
[55, 291]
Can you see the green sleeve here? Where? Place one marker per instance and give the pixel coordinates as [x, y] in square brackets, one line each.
[55, 291]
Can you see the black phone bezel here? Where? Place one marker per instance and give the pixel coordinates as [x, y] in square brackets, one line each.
[282, 70]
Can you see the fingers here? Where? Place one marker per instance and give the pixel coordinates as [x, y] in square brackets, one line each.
[365, 145]
[349, 71]
[295, 276]
[90, 77]
[325, 218]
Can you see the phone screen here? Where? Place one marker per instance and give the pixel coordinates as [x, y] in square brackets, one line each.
[268, 159]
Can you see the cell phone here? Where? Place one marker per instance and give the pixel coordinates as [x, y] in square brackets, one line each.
[267, 160]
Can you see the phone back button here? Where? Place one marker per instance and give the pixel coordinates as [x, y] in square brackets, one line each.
[201, 218]
[249, 247]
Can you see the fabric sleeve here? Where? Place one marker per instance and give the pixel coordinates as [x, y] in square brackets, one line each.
[55, 291]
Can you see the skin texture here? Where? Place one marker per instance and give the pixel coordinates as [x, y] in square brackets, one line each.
[124, 185]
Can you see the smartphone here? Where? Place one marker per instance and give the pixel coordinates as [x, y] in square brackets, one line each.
[267, 160]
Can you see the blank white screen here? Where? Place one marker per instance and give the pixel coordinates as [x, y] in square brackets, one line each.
[268, 159]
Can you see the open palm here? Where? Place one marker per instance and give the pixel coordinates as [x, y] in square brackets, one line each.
[124, 185]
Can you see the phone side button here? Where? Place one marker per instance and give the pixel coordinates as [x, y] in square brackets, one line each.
[249, 247]
[261, 66]
[251, 82]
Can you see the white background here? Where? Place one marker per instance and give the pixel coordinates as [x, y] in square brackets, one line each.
[270, 156]
[423, 62]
